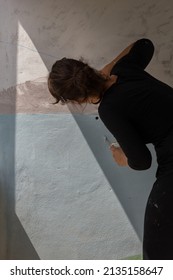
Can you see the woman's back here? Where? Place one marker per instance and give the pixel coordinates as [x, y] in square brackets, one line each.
[137, 109]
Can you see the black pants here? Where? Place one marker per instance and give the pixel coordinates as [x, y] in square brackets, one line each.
[158, 223]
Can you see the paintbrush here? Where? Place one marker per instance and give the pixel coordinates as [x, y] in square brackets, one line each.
[115, 144]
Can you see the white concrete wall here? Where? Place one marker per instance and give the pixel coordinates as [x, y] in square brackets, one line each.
[62, 196]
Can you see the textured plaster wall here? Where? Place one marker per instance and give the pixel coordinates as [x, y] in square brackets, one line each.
[70, 209]
[61, 194]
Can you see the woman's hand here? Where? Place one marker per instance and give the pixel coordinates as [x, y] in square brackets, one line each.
[119, 156]
[105, 72]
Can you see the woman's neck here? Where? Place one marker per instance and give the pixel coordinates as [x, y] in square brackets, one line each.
[108, 83]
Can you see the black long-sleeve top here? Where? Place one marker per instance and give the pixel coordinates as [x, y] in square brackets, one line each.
[137, 109]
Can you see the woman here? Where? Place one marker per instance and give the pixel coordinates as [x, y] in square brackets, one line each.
[137, 109]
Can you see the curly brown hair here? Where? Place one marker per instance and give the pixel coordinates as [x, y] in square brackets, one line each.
[74, 80]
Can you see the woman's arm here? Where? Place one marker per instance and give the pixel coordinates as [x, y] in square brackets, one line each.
[139, 53]
[133, 148]
[108, 67]
[119, 156]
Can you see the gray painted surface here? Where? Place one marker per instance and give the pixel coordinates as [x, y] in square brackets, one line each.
[14, 242]
[63, 199]
[58, 185]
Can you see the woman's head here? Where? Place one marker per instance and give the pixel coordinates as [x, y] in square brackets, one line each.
[73, 80]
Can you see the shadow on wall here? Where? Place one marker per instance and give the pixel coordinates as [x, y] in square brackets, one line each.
[14, 242]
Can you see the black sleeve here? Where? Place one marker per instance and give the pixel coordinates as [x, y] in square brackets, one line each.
[137, 153]
[140, 55]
